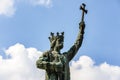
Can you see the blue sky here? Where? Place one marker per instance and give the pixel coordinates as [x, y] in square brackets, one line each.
[30, 23]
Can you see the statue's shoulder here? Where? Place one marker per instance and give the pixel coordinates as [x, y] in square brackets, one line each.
[65, 54]
[46, 53]
[62, 58]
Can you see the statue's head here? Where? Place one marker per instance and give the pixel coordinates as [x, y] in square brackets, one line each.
[56, 41]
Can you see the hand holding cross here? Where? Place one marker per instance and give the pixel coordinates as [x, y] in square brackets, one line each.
[82, 7]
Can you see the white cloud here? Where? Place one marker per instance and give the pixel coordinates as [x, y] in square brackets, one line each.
[21, 66]
[7, 7]
[46, 3]
[84, 69]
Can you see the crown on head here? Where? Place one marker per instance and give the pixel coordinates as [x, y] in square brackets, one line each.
[57, 37]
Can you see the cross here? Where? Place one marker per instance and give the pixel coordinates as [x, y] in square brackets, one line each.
[82, 7]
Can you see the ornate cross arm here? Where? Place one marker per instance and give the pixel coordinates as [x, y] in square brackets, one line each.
[74, 49]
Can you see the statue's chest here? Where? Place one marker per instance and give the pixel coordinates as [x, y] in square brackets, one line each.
[54, 56]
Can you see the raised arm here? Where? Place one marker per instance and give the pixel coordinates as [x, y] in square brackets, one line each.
[74, 49]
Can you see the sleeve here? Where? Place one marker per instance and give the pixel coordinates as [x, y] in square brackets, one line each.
[74, 49]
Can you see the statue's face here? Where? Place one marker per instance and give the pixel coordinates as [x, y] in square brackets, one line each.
[59, 43]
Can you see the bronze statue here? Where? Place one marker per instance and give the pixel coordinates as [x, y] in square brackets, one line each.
[53, 62]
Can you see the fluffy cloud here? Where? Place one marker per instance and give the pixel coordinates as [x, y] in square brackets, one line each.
[7, 7]
[84, 69]
[46, 3]
[21, 66]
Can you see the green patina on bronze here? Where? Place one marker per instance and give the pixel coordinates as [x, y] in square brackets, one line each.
[55, 63]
